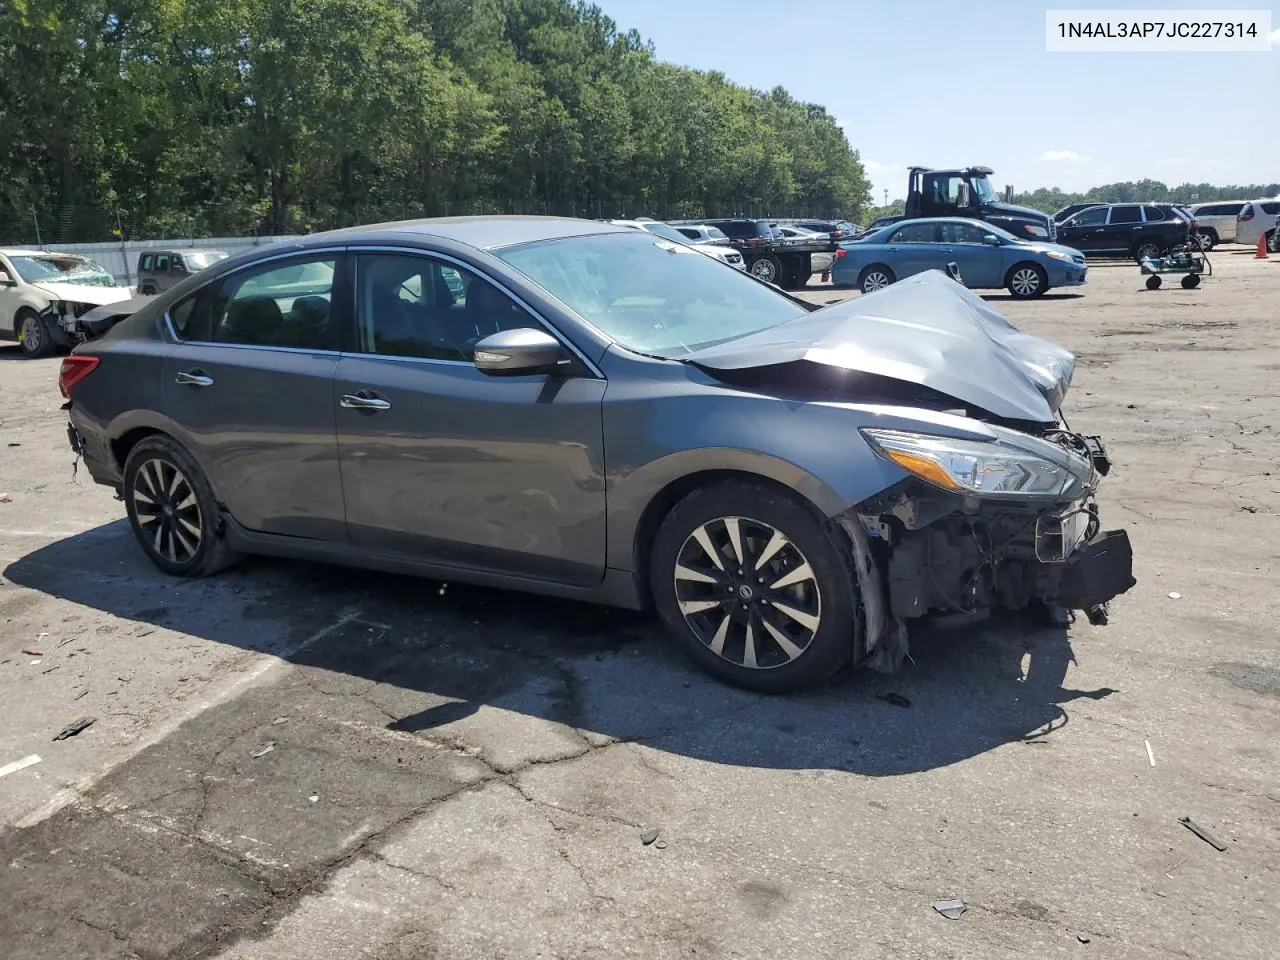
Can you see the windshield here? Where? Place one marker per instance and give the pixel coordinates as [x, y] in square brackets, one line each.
[669, 233]
[715, 233]
[61, 268]
[1004, 235]
[983, 189]
[650, 295]
[198, 261]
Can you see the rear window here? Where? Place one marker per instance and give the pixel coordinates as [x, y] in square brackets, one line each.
[1126, 213]
[1272, 207]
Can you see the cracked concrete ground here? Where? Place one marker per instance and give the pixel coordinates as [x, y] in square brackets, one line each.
[292, 761]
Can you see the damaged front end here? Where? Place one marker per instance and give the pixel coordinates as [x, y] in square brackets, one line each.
[68, 324]
[977, 526]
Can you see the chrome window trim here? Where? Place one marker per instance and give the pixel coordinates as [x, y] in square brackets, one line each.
[444, 257]
[293, 254]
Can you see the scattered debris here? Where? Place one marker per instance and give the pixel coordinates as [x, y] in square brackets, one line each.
[1248, 508]
[63, 643]
[12, 444]
[1150, 756]
[661, 845]
[1203, 834]
[897, 699]
[313, 798]
[5, 498]
[17, 765]
[1169, 872]
[1175, 595]
[1082, 938]
[80, 694]
[279, 720]
[951, 909]
[263, 750]
[649, 835]
[34, 662]
[32, 652]
[75, 727]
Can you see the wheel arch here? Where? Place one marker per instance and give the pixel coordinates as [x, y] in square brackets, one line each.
[862, 274]
[1008, 274]
[820, 499]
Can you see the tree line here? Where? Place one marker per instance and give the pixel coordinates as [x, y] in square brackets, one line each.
[156, 118]
[1050, 199]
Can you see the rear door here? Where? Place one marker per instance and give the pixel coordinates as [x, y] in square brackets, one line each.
[1123, 229]
[448, 464]
[250, 383]
[914, 248]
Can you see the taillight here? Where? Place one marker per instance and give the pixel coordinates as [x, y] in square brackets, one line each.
[1246, 214]
[74, 369]
[840, 252]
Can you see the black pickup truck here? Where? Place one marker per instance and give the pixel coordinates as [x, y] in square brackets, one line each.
[769, 256]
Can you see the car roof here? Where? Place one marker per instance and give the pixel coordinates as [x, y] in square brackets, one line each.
[485, 233]
[35, 251]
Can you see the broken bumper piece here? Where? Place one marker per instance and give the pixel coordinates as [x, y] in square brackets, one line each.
[1099, 571]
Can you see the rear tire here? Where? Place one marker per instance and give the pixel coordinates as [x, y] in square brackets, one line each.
[875, 277]
[716, 564]
[766, 267]
[1208, 239]
[1146, 250]
[1153, 283]
[1190, 281]
[148, 291]
[1026, 281]
[173, 511]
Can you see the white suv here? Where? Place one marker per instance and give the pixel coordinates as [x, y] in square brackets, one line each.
[1258, 218]
[724, 254]
[1216, 222]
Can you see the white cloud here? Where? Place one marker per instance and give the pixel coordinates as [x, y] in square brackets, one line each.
[875, 166]
[1062, 156]
[1275, 38]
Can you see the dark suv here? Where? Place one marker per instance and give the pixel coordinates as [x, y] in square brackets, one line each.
[745, 233]
[1137, 230]
[1070, 210]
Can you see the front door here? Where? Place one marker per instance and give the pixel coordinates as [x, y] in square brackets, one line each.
[250, 383]
[445, 463]
[981, 264]
[1086, 231]
[10, 300]
[1123, 228]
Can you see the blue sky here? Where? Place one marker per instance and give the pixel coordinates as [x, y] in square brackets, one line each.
[943, 83]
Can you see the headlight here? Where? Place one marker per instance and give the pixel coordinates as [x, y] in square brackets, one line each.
[995, 468]
[1034, 231]
[1058, 255]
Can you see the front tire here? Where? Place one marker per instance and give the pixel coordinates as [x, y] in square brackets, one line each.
[33, 335]
[875, 277]
[755, 588]
[1027, 280]
[173, 511]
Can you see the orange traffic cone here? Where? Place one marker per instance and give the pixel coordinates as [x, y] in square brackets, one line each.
[1262, 248]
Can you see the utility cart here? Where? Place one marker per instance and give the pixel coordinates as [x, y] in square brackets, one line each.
[1190, 262]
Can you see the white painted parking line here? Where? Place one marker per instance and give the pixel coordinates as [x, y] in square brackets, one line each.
[17, 765]
[74, 791]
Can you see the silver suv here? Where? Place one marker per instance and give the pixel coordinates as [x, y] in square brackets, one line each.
[1216, 222]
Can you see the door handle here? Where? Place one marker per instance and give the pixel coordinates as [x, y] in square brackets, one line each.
[363, 401]
[194, 378]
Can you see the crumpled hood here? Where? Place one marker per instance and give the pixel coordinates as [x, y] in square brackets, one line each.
[926, 330]
[80, 293]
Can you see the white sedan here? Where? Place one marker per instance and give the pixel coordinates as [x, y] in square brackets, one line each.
[43, 297]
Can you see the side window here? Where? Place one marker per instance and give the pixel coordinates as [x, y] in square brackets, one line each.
[1126, 213]
[1271, 208]
[914, 233]
[279, 306]
[182, 316]
[689, 232]
[961, 233]
[162, 261]
[1152, 214]
[414, 306]
[1094, 217]
[145, 262]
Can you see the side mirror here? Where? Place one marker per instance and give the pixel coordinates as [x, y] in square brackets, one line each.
[6, 280]
[991, 240]
[517, 352]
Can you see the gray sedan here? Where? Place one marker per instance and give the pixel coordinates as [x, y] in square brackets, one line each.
[578, 409]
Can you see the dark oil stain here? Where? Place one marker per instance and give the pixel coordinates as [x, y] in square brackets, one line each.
[1264, 681]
